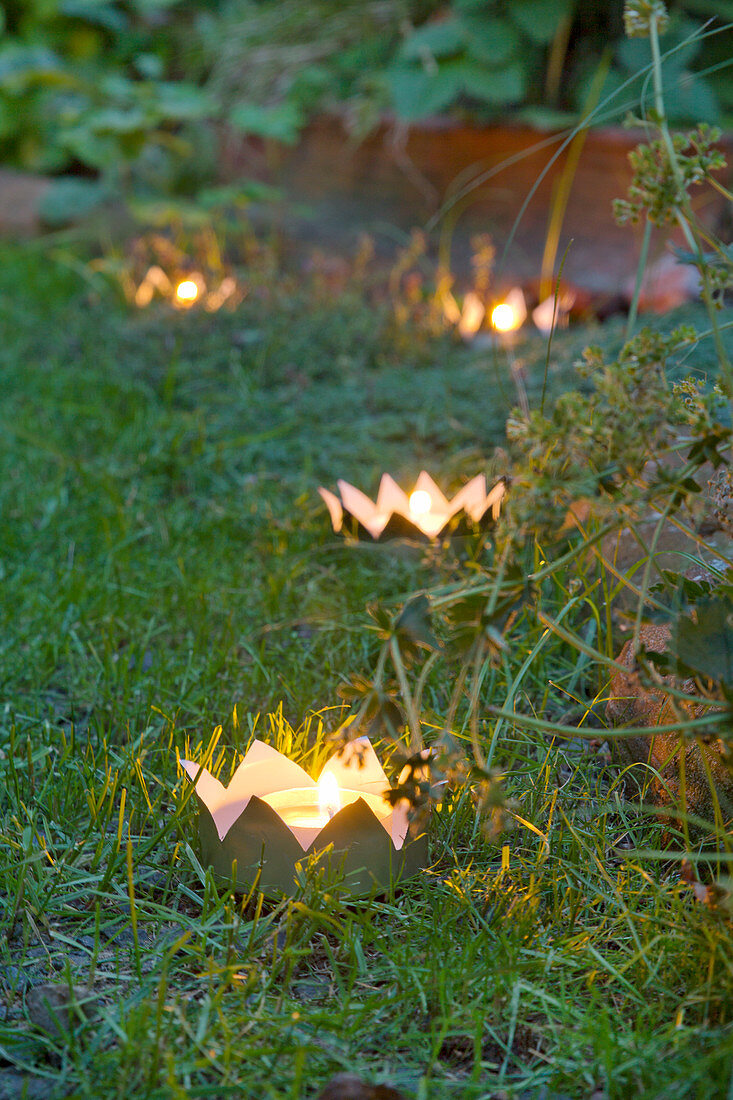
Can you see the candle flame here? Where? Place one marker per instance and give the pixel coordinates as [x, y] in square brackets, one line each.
[329, 796]
[187, 291]
[508, 315]
[420, 502]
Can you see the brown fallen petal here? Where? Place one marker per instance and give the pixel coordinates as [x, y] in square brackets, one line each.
[347, 1086]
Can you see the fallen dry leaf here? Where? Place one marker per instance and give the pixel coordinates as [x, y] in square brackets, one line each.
[347, 1086]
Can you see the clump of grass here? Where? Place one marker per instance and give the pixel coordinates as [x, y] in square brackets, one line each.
[166, 558]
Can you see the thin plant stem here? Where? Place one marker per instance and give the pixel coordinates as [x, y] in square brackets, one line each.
[640, 270]
[424, 673]
[558, 729]
[683, 213]
[552, 326]
[647, 574]
[455, 699]
[567, 176]
[413, 719]
[473, 705]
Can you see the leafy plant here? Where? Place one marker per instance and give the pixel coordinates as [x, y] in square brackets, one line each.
[485, 54]
[272, 65]
[129, 96]
[692, 95]
[625, 452]
[542, 58]
[84, 85]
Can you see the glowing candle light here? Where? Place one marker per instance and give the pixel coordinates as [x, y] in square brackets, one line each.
[507, 316]
[187, 291]
[329, 796]
[307, 807]
[420, 502]
[503, 318]
[184, 293]
[307, 810]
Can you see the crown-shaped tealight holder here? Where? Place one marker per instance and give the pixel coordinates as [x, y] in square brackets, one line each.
[425, 512]
[273, 815]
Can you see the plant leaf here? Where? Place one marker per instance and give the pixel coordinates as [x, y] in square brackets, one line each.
[441, 39]
[538, 19]
[414, 623]
[416, 93]
[183, 102]
[503, 85]
[706, 646]
[489, 39]
[280, 123]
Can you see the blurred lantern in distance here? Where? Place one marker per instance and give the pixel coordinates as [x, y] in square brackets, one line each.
[425, 511]
[156, 268]
[186, 291]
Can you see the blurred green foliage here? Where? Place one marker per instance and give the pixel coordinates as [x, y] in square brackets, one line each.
[487, 56]
[130, 92]
[91, 87]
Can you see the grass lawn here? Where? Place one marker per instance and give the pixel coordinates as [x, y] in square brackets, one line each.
[166, 566]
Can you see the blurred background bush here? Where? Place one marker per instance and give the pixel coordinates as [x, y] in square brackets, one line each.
[135, 93]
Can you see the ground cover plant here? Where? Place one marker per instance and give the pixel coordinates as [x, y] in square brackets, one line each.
[168, 571]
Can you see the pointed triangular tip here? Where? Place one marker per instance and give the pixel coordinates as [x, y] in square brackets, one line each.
[192, 769]
[258, 751]
[335, 510]
[495, 497]
[427, 484]
[356, 767]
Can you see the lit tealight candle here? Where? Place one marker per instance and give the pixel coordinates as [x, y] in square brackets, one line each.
[187, 291]
[427, 516]
[329, 796]
[509, 315]
[503, 318]
[307, 810]
[420, 502]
